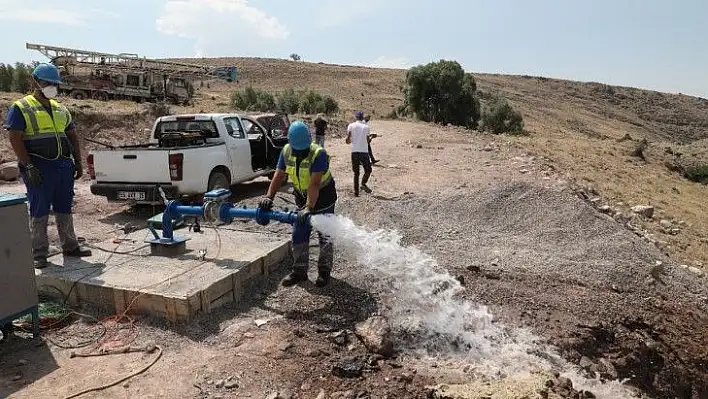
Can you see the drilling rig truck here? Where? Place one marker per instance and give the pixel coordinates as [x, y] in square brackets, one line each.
[103, 76]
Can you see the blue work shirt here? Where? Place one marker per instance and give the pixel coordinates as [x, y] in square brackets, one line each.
[16, 121]
[328, 193]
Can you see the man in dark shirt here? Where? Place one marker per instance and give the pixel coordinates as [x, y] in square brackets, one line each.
[320, 127]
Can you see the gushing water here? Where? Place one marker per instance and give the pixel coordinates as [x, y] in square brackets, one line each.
[429, 317]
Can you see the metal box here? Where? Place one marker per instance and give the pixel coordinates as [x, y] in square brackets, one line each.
[18, 288]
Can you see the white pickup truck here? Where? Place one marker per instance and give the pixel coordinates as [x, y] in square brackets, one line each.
[188, 155]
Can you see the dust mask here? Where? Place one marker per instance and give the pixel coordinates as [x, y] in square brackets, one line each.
[50, 91]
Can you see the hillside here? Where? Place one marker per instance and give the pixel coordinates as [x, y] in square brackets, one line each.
[578, 127]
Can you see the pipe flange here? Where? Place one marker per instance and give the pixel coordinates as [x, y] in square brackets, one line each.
[211, 211]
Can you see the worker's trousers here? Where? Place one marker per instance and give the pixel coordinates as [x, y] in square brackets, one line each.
[56, 193]
[360, 159]
[301, 247]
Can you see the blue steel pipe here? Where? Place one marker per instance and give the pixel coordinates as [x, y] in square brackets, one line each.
[227, 212]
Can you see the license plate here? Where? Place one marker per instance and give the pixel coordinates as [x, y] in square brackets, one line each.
[131, 195]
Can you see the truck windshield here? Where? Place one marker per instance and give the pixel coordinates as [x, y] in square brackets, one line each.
[206, 127]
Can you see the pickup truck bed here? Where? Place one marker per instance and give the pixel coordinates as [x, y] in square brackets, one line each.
[233, 149]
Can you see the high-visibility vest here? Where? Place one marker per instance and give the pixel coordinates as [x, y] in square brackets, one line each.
[45, 134]
[301, 177]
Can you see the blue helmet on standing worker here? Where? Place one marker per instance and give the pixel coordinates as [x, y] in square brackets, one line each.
[299, 136]
[47, 73]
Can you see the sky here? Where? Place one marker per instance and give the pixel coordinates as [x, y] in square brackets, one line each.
[654, 44]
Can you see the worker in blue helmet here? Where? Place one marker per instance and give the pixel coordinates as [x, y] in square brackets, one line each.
[306, 164]
[43, 137]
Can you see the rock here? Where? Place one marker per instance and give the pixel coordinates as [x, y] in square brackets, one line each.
[605, 209]
[9, 171]
[322, 394]
[284, 346]
[249, 335]
[585, 362]
[698, 272]
[473, 268]
[665, 223]
[564, 382]
[219, 383]
[349, 368]
[645, 210]
[375, 334]
[339, 338]
[231, 384]
[22, 362]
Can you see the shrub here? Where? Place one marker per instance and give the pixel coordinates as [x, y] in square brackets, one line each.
[698, 174]
[499, 117]
[289, 101]
[442, 92]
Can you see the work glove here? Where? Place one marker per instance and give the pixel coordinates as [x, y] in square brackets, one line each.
[266, 204]
[78, 170]
[34, 175]
[303, 215]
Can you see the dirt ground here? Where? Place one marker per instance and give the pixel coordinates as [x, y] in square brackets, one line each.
[503, 220]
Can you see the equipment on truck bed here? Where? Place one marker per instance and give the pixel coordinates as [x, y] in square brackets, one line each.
[104, 76]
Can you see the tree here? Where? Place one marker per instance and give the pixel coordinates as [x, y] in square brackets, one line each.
[6, 77]
[295, 57]
[21, 81]
[442, 92]
[500, 117]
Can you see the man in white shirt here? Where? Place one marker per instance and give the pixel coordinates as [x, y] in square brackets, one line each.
[358, 137]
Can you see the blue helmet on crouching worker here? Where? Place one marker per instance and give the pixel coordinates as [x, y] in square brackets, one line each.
[299, 136]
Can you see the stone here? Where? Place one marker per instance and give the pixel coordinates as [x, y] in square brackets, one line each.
[219, 383]
[698, 272]
[9, 171]
[231, 384]
[645, 210]
[351, 367]
[322, 394]
[665, 223]
[375, 334]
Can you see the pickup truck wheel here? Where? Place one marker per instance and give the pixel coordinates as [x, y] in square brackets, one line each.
[218, 179]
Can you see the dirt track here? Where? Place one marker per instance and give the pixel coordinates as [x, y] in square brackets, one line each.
[499, 219]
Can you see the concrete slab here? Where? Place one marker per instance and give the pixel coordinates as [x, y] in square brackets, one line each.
[124, 277]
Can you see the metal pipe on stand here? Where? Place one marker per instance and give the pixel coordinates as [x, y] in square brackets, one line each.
[216, 207]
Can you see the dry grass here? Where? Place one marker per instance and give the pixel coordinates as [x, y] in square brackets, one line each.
[576, 125]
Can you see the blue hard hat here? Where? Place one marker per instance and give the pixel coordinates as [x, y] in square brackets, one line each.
[47, 73]
[359, 115]
[299, 136]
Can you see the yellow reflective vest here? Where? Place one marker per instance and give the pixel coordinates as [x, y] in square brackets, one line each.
[300, 177]
[45, 134]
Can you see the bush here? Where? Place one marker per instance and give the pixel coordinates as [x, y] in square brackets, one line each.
[442, 92]
[289, 101]
[698, 174]
[500, 117]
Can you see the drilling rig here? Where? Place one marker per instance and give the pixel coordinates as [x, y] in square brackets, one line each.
[124, 76]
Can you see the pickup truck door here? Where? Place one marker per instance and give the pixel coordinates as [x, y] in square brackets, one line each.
[239, 150]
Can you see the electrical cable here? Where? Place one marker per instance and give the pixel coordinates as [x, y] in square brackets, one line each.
[118, 381]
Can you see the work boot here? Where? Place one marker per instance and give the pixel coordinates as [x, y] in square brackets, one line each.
[293, 278]
[366, 188]
[78, 253]
[322, 279]
[40, 262]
